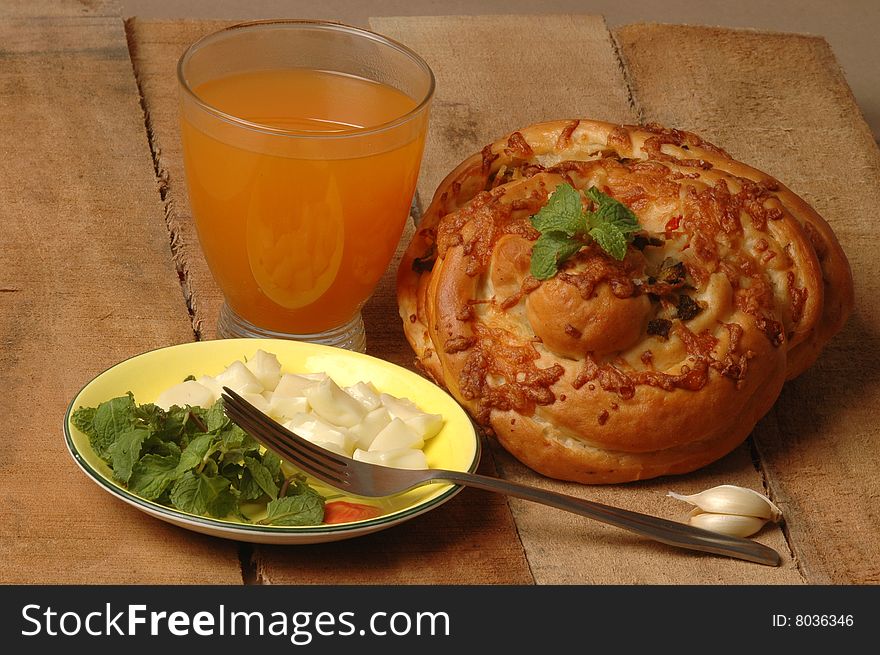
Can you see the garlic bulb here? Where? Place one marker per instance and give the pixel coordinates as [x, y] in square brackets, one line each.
[733, 525]
[732, 500]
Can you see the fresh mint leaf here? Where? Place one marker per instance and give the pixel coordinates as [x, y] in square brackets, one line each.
[565, 227]
[233, 438]
[562, 213]
[152, 475]
[610, 239]
[214, 417]
[126, 451]
[149, 416]
[112, 418]
[248, 488]
[175, 426]
[194, 492]
[231, 471]
[550, 250]
[299, 486]
[83, 420]
[250, 445]
[272, 462]
[193, 459]
[194, 454]
[262, 476]
[611, 212]
[155, 445]
[301, 509]
[211, 468]
[224, 504]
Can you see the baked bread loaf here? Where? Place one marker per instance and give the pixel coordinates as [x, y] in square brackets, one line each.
[616, 370]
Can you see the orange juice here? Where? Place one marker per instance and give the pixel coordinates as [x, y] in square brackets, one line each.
[299, 214]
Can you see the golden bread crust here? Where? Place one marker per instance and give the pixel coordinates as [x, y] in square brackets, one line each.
[616, 371]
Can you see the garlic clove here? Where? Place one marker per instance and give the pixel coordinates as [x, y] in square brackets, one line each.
[733, 525]
[730, 499]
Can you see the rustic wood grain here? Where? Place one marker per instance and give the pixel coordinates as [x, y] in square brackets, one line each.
[562, 67]
[780, 102]
[60, 9]
[155, 49]
[85, 281]
[496, 74]
[470, 539]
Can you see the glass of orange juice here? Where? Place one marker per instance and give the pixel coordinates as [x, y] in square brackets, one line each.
[302, 142]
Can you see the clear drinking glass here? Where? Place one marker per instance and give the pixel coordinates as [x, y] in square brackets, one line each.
[302, 143]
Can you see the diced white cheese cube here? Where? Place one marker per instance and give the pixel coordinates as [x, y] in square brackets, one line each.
[370, 426]
[186, 393]
[257, 400]
[427, 425]
[266, 368]
[211, 384]
[403, 458]
[332, 447]
[365, 393]
[239, 378]
[334, 405]
[395, 436]
[285, 407]
[312, 428]
[402, 408]
[294, 385]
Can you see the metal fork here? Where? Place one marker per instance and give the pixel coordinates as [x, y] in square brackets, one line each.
[370, 480]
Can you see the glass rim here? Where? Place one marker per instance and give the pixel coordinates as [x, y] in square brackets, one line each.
[329, 26]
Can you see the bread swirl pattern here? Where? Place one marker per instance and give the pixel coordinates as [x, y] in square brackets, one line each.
[613, 371]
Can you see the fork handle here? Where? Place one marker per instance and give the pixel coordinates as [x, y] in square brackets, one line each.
[668, 532]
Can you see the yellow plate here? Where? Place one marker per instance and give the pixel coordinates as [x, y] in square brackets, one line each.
[456, 447]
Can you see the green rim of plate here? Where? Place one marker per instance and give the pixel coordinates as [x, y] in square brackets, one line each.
[245, 528]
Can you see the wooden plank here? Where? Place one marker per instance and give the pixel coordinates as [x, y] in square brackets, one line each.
[85, 281]
[56, 9]
[561, 67]
[454, 543]
[155, 49]
[780, 102]
[548, 65]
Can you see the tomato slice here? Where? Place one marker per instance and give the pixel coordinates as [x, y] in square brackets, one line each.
[341, 511]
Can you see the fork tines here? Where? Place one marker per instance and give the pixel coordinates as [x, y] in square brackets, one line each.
[312, 459]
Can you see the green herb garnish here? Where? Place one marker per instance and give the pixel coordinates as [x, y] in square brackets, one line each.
[566, 227]
[301, 506]
[195, 460]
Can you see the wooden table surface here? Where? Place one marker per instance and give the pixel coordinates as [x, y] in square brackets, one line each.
[99, 260]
